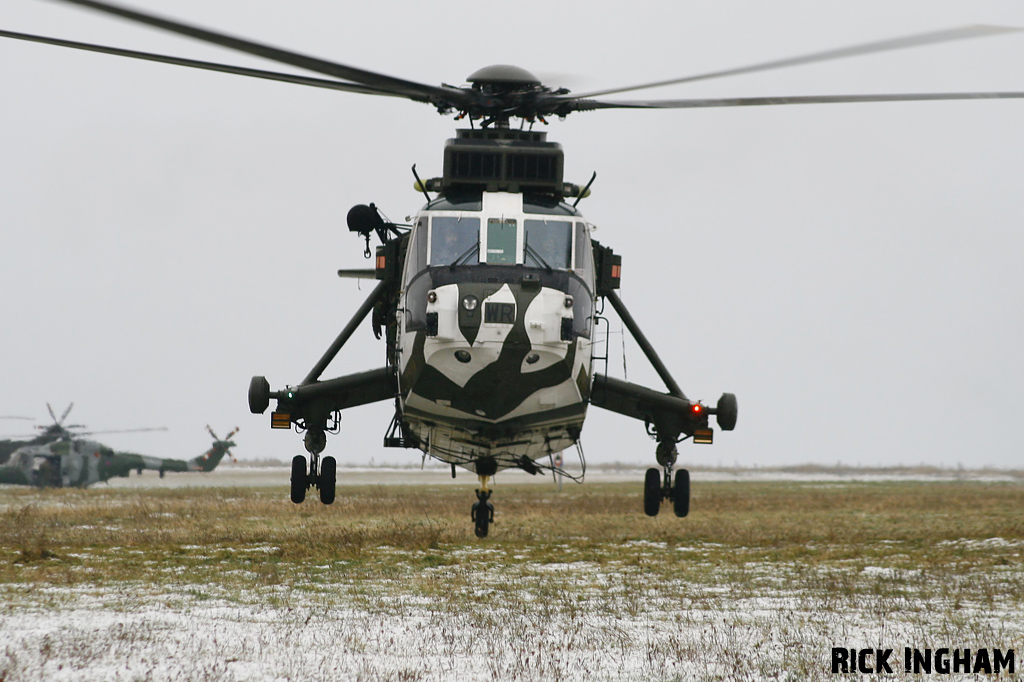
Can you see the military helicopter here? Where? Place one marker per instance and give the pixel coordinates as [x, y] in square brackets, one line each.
[79, 463]
[489, 301]
[56, 431]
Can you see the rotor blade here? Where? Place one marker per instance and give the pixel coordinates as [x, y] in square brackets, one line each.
[94, 433]
[25, 418]
[918, 40]
[211, 432]
[66, 413]
[587, 105]
[228, 437]
[209, 66]
[397, 86]
[50, 409]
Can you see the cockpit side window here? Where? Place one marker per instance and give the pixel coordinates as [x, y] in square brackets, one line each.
[501, 241]
[454, 238]
[584, 251]
[416, 256]
[548, 243]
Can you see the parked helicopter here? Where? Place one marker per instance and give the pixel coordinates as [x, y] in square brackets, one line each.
[490, 301]
[58, 430]
[79, 463]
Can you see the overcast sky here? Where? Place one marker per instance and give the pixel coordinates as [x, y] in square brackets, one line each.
[851, 272]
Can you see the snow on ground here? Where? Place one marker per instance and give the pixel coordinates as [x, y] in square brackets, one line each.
[611, 625]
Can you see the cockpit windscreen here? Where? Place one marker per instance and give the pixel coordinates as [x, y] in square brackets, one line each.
[548, 243]
[501, 241]
[454, 239]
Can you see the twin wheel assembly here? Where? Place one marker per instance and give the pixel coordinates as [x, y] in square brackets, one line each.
[321, 474]
[658, 488]
[322, 477]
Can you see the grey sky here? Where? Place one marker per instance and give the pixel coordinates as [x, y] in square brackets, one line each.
[851, 272]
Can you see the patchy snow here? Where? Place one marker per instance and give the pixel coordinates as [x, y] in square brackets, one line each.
[645, 543]
[607, 622]
[989, 543]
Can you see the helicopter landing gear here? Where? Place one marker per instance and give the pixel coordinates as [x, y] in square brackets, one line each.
[483, 511]
[300, 481]
[681, 493]
[652, 492]
[658, 487]
[327, 479]
[322, 474]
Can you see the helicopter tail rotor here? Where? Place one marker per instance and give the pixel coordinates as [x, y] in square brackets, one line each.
[221, 448]
[226, 442]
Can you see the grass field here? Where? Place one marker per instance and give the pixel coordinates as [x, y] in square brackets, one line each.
[389, 583]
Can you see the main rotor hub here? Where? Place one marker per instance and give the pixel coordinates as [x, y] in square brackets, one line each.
[501, 92]
[502, 75]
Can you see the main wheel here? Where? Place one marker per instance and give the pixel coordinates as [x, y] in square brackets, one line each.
[681, 494]
[328, 476]
[652, 492]
[298, 479]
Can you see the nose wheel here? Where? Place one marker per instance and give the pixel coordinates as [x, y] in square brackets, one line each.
[482, 512]
[659, 486]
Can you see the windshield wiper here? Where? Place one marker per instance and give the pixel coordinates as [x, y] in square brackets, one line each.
[465, 256]
[533, 254]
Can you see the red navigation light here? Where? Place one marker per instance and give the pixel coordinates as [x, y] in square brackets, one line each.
[697, 407]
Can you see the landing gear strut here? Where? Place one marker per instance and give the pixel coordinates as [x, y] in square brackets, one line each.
[658, 487]
[321, 474]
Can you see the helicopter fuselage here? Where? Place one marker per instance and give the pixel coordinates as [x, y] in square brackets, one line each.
[80, 463]
[489, 302]
[494, 326]
[67, 463]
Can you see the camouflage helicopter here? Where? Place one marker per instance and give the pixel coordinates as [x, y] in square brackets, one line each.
[490, 301]
[79, 463]
[58, 430]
